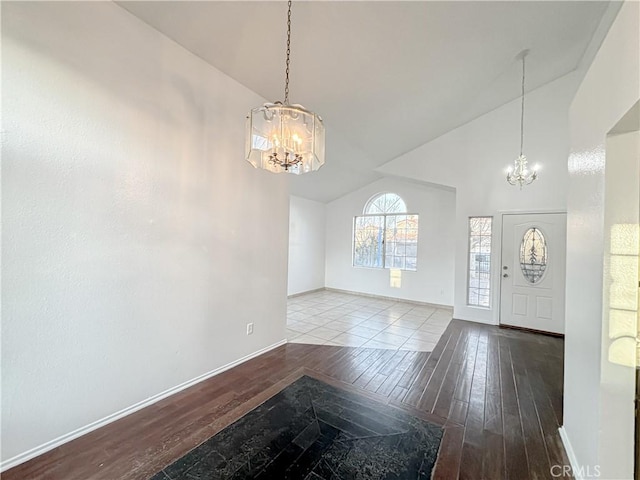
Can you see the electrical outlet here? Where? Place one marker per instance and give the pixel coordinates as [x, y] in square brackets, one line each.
[249, 328]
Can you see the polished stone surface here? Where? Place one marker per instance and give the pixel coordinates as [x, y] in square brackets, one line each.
[311, 430]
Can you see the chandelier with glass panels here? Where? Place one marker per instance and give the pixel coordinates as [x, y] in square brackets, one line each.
[283, 137]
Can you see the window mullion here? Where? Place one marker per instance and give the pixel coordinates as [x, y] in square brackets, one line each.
[384, 243]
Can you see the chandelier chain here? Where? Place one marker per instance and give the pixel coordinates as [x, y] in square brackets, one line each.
[522, 111]
[286, 81]
[520, 174]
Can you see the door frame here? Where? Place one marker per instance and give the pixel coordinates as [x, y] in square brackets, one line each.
[498, 269]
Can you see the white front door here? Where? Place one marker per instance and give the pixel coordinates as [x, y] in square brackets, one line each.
[533, 271]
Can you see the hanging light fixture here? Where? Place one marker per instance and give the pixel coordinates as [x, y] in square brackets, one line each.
[520, 174]
[283, 137]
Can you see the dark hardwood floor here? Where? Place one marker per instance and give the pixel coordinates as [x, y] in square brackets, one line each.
[497, 392]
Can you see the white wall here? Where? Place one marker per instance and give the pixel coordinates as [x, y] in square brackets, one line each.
[474, 158]
[433, 281]
[137, 242]
[620, 303]
[609, 89]
[306, 245]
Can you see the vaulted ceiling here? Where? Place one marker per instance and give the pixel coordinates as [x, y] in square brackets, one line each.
[386, 76]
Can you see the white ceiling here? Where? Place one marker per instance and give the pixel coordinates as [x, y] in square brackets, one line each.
[385, 76]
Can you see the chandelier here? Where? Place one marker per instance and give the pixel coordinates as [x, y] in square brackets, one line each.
[520, 174]
[283, 137]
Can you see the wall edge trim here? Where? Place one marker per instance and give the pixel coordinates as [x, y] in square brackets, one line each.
[575, 470]
[313, 290]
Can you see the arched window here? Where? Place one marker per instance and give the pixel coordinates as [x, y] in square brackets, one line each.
[386, 235]
[385, 203]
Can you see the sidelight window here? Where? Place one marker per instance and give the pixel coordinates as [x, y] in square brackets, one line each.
[479, 273]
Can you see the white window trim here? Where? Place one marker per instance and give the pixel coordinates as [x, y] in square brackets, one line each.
[468, 283]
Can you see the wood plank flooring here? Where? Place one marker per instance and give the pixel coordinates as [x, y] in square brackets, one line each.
[497, 392]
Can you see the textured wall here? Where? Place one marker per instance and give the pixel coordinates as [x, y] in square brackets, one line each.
[137, 243]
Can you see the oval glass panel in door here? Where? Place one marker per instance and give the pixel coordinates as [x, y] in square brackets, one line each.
[533, 255]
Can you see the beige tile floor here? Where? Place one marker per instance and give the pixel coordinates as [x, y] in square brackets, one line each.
[334, 318]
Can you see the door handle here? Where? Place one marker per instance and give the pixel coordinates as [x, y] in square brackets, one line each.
[505, 275]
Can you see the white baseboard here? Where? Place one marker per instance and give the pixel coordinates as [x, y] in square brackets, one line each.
[466, 318]
[382, 297]
[45, 447]
[575, 470]
[293, 295]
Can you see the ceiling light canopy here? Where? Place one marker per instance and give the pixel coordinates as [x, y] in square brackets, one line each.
[282, 137]
[520, 174]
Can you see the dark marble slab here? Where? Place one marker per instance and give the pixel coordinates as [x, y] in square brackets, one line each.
[313, 431]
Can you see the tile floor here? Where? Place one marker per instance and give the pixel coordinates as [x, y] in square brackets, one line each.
[346, 320]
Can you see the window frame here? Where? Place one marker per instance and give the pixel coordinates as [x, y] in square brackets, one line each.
[384, 235]
[374, 198]
[489, 270]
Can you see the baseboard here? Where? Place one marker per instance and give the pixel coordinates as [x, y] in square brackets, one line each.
[293, 295]
[45, 447]
[475, 320]
[396, 299]
[532, 330]
[575, 470]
